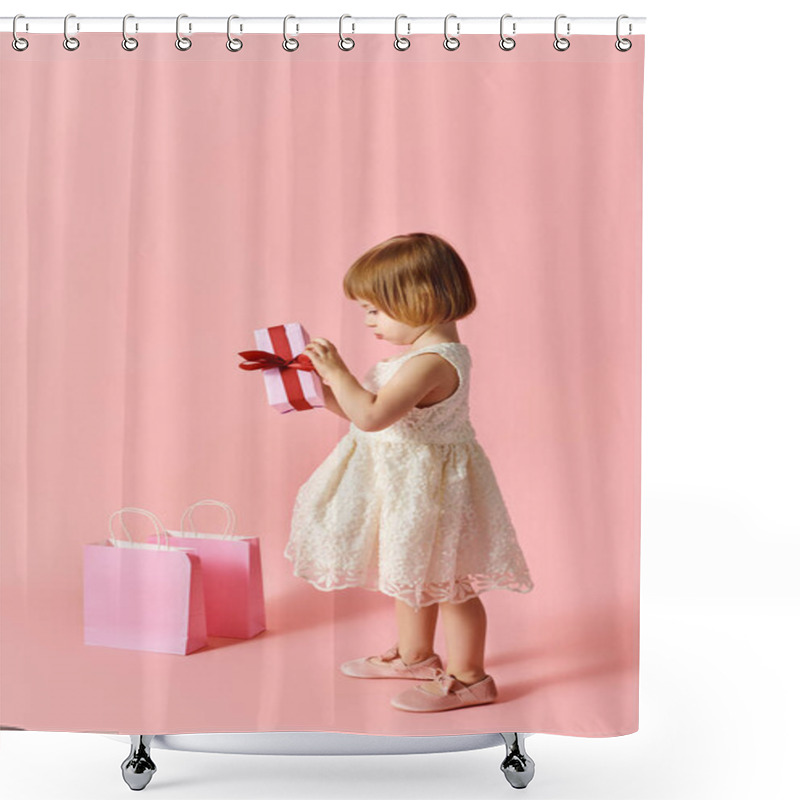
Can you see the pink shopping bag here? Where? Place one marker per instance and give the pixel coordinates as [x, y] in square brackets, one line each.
[141, 596]
[231, 575]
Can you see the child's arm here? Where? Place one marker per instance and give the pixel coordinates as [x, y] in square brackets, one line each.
[331, 403]
[412, 381]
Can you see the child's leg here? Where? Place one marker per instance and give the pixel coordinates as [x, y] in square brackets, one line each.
[415, 630]
[465, 634]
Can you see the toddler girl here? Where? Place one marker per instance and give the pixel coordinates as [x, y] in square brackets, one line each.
[407, 502]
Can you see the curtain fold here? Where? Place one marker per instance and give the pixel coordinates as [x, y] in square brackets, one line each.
[159, 206]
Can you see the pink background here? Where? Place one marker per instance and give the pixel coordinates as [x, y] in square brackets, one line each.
[158, 206]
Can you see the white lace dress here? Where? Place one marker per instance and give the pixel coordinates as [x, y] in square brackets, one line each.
[413, 510]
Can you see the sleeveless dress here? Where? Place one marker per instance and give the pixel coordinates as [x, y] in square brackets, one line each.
[413, 510]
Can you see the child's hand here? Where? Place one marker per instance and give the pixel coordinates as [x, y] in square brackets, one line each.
[325, 358]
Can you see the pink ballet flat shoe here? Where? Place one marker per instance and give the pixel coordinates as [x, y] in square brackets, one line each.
[391, 666]
[449, 693]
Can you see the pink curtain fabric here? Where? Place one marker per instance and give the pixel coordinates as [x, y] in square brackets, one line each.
[158, 206]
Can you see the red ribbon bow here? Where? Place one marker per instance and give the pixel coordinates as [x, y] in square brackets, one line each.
[261, 359]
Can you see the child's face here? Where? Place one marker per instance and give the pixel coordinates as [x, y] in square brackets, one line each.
[384, 327]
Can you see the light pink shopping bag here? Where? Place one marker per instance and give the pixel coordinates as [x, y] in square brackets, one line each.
[142, 596]
[231, 575]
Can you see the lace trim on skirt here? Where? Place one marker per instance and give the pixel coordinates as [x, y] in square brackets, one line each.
[458, 591]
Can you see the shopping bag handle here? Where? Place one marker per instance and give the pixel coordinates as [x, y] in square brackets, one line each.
[230, 527]
[153, 518]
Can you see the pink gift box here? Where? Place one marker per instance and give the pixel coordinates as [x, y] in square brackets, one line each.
[289, 389]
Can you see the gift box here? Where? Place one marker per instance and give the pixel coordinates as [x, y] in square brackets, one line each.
[142, 596]
[291, 380]
[232, 579]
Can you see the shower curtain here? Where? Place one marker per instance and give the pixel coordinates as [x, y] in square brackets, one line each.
[159, 207]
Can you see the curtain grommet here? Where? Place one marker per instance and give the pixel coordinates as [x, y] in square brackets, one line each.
[233, 44]
[451, 42]
[290, 48]
[17, 42]
[400, 42]
[183, 43]
[129, 43]
[345, 42]
[561, 43]
[70, 42]
[623, 45]
[507, 42]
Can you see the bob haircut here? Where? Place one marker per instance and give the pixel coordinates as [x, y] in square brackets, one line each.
[416, 278]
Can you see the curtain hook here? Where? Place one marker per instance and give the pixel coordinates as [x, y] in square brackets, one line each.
[182, 42]
[506, 42]
[345, 42]
[70, 42]
[623, 48]
[18, 43]
[560, 42]
[286, 46]
[233, 44]
[128, 42]
[406, 43]
[451, 42]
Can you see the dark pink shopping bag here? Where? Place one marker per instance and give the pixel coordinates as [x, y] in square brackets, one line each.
[232, 576]
[143, 596]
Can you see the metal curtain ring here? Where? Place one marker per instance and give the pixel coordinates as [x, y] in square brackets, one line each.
[70, 42]
[233, 44]
[182, 42]
[128, 42]
[286, 39]
[451, 42]
[560, 42]
[506, 42]
[345, 42]
[623, 45]
[16, 42]
[400, 42]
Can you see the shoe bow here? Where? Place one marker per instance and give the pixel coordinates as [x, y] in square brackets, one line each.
[390, 655]
[444, 681]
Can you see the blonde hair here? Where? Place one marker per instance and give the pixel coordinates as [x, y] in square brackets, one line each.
[415, 278]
